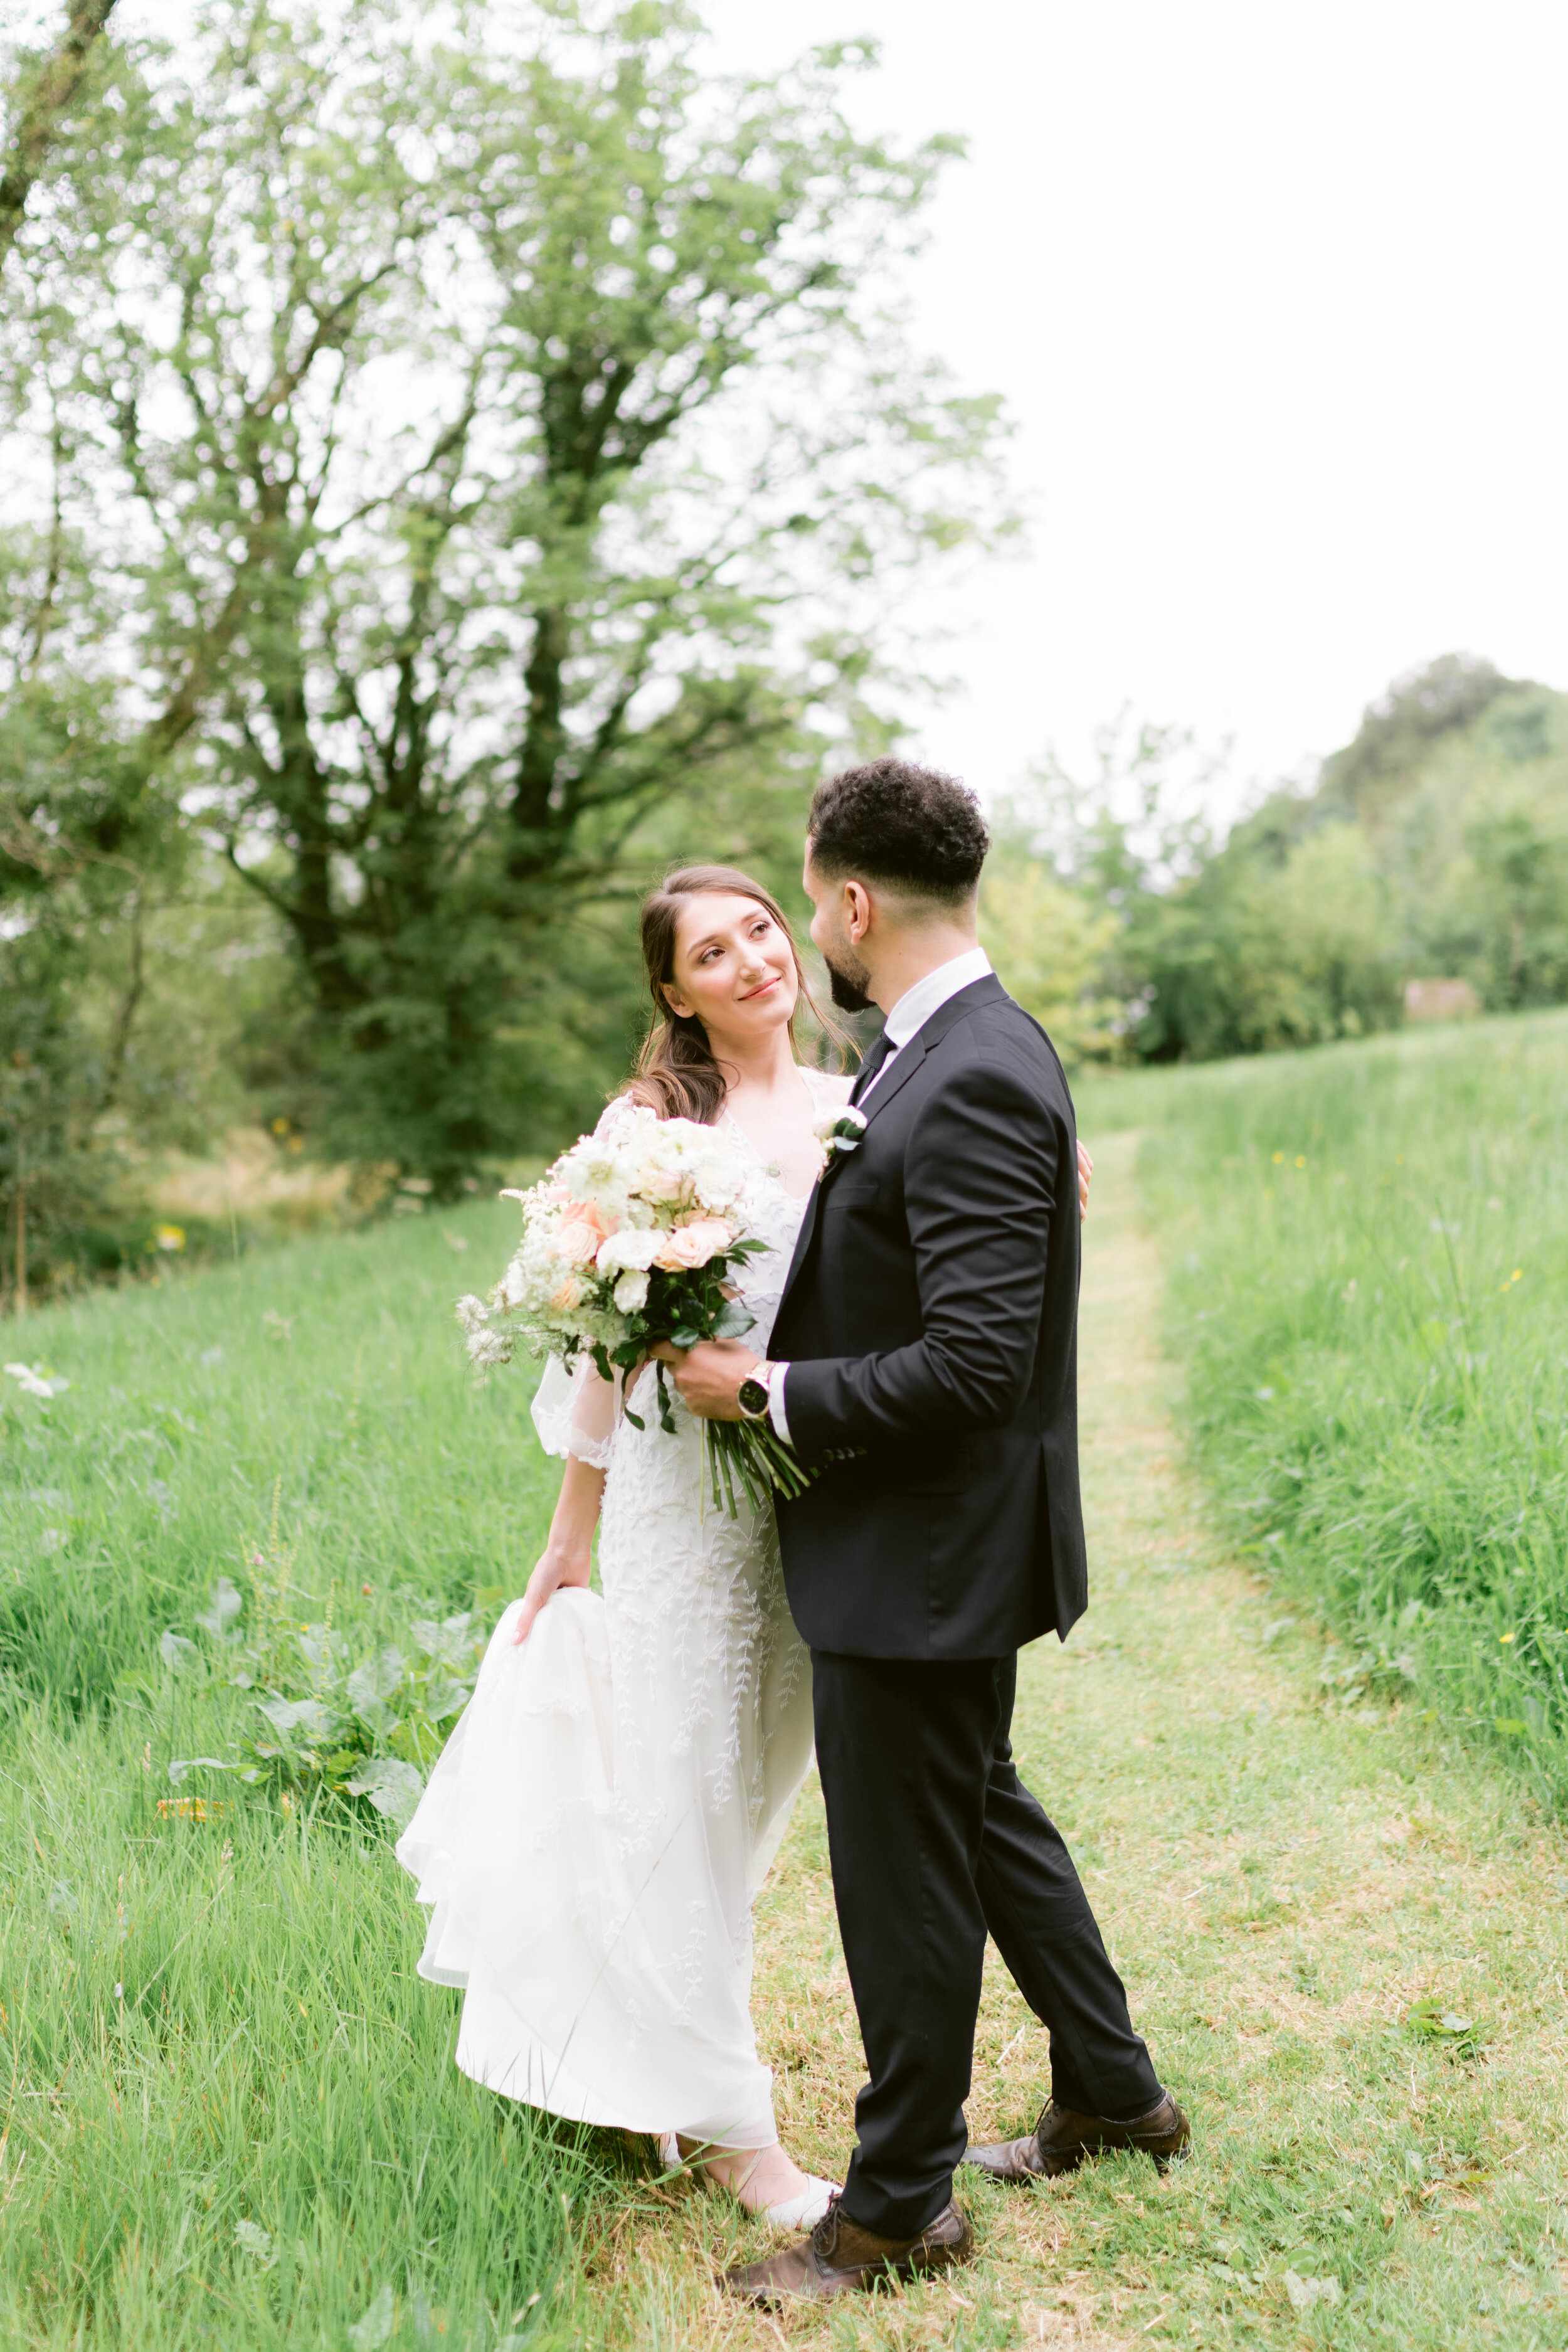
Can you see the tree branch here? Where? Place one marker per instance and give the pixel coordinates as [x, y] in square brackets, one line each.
[39, 125]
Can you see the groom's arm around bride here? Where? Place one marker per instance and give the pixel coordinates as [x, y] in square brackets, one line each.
[926, 1348]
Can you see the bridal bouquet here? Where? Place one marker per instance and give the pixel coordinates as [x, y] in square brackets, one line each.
[631, 1238]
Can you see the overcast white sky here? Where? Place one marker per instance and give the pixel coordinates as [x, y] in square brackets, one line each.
[1276, 296]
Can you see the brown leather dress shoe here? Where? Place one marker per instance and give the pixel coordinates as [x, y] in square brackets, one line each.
[1061, 2139]
[839, 2258]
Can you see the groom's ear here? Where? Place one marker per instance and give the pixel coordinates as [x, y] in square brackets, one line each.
[857, 909]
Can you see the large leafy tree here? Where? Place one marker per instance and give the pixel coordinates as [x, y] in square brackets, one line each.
[494, 445]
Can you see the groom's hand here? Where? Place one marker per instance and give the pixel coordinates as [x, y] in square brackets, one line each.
[708, 1376]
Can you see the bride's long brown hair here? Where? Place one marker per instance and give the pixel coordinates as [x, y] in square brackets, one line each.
[677, 1073]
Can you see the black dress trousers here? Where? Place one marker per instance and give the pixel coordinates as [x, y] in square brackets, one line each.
[936, 1841]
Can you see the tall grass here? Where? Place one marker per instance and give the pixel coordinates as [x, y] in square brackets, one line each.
[229, 2109]
[1370, 1254]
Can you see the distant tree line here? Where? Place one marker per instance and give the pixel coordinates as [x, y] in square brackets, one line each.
[1433, 846]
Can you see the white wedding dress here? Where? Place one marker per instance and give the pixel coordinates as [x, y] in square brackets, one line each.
[605, 1812]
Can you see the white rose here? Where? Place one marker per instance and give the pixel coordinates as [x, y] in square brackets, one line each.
[631, 1292]
[631, 1252]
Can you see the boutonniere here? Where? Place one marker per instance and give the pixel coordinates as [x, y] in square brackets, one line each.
[839, 1134]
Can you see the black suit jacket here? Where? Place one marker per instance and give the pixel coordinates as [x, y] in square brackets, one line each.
[930, 1322]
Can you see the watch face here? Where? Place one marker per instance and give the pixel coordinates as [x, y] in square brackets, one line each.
[753, 1395]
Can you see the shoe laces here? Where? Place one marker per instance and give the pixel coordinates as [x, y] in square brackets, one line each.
[825, 2233]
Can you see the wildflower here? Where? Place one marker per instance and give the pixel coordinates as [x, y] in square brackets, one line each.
[170, 1237]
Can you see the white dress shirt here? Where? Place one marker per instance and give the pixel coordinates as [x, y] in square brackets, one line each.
[907, 1019]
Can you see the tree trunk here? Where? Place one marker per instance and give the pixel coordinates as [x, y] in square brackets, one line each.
[52, 93]
[114, 1070]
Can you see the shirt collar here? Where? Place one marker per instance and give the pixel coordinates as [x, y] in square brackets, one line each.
[917, 1005]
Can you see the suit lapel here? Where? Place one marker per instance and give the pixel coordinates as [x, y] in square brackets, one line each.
[927, 1037]
[911, 1058]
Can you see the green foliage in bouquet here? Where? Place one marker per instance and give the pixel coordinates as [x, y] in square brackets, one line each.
[684, 1308]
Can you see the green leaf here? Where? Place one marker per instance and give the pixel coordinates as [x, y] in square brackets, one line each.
[1433, 2020]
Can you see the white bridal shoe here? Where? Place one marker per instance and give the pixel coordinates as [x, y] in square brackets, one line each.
[801, 2212]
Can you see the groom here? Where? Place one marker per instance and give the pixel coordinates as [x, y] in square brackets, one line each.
[925, 1360]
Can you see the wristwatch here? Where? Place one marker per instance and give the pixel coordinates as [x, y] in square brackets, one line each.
[752, 1395]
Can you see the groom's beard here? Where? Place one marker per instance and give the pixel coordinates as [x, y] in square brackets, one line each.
[847, 982]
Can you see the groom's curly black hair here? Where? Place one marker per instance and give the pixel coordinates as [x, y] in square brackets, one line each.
[912, 828]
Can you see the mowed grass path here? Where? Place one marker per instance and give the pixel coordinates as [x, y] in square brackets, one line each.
[1280, 1885]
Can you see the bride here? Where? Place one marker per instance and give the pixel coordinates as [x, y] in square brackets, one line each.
[603, 1817]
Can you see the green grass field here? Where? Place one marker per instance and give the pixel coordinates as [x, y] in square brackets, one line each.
[229, 2113]
[1368, 1248]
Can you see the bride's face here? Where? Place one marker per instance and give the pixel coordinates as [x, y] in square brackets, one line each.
[734, 967]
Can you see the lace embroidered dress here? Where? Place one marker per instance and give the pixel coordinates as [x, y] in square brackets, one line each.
[605, 1812]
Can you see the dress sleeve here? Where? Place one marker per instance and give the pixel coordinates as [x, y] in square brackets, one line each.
[575, 1413]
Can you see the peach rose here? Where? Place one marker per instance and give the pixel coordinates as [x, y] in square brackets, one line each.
[566, 1295]
[692, 1245]
[580, 1232]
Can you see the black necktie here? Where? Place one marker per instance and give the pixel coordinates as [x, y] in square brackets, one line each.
[871, 1065]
